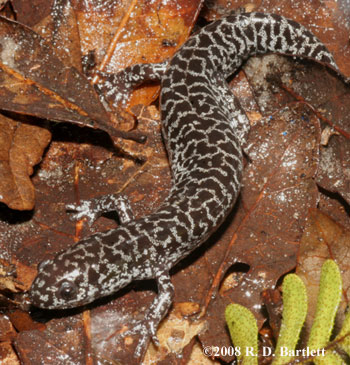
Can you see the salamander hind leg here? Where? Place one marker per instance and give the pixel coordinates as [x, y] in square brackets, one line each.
[94, 208]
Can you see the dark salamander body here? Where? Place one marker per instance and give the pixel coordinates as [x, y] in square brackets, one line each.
[204, 128]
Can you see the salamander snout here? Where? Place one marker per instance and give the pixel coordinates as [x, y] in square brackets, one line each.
[58, 287]
[86, 271]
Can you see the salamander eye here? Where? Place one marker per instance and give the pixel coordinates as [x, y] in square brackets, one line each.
[67, 290]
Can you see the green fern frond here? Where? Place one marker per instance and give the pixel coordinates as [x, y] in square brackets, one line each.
[243, 331]
[328, 300]
[293, 317]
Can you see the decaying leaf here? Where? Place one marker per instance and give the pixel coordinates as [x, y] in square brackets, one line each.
[323, 239]
[31, 13]
[15, 277]
[326, 94]
[37, 77]
[142, 32]
[259, 241]
[8, 354]
[6, 329]
[60, 29]
[334, 171]
[34, 81]
[21, 148]
[54, 343]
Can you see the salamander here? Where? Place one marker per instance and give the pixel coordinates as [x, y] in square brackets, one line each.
[204, 128]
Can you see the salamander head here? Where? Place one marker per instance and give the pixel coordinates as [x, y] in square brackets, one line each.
[78, 276]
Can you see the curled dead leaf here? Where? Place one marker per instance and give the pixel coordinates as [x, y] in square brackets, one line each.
[21, 147]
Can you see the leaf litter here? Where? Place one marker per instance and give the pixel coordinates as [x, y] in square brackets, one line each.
[260, 240]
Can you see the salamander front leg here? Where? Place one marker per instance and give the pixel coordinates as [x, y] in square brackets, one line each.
[116, 87]
[160, 305]
[156, 312]
[94, 208]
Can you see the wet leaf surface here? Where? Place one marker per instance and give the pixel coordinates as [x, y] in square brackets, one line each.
[306, 83]
[35, 81]
[62, 342]
[31, 13]
[43, 82]
[323, 239]
[150, 33]
[290, 104]
[60, 28]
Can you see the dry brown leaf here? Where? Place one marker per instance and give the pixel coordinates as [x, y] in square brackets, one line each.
[334, 172]
[15, 277]
[22, 321]
[174, 335]
[21, 148]
[8, 355]
[38, 83]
